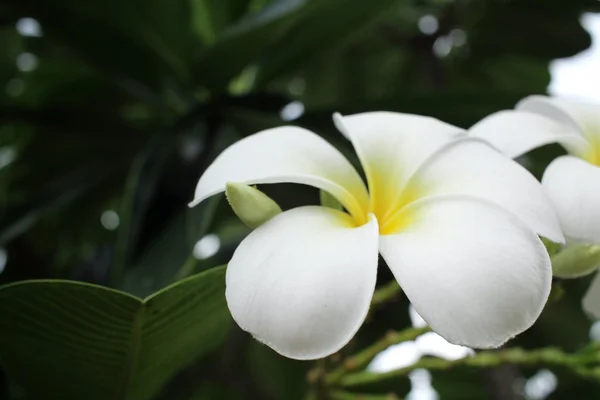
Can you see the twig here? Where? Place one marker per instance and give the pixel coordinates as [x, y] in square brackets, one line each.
[386, 293]
[362, 358]
[484, 359]
[341, 395]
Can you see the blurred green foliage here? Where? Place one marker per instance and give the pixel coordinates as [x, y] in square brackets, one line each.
[120, 105]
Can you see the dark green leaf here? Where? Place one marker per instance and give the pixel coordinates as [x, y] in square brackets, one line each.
[244, 42]
[323, 25]
[76, 341]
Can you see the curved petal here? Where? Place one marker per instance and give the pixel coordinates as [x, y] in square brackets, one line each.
[302, 282]
[475, 272]
[390, 147]
[581, 117]
[472, 167]
[552, 108]
[286, 154]
[573, 185]
[515, 133]
[591, 300]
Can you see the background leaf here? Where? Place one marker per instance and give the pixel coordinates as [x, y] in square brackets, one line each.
[85, 341]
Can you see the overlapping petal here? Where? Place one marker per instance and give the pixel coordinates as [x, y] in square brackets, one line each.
[578, 115]
[302, 282]
[470, 166]
[557, 109]
[390, 147]
[475, 272]
[515, 133]
[286, 154]
[581, 117]
[573, 185]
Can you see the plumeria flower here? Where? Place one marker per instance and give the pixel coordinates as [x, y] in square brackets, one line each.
[572, 181]
[456, 221]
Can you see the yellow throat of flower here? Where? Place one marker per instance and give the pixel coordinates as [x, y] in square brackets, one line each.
[390, 206]
[592, 155]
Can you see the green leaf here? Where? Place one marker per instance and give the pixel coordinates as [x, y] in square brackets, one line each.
[277, 376]
[139, 189]
[212, 17]
[171, 252]
[323, 25]
[136, 42]
[81, 341]
[244, 42]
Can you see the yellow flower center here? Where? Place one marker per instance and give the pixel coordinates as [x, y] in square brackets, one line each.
[388, 203]
[398, 214]
[592, 155]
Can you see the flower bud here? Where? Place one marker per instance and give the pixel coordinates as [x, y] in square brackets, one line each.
[576, 261]
[252, 206]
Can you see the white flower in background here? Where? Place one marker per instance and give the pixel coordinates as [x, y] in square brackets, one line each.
[455, 220]
[572, 181]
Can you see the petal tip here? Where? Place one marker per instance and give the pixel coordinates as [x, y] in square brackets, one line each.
[338, 121]
[194, 203]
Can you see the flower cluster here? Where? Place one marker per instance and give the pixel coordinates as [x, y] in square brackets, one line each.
[456, 220]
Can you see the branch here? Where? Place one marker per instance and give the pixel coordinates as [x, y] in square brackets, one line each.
[386, 293]
[364, 357]
[340, 395]
[485, 359]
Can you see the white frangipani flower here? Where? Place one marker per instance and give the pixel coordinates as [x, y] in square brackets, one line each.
[572, 181]
[455, 220]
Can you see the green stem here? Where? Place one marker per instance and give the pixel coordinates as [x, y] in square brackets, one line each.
[341, 395]
[312, 395]
[485, 359]
[364, 357]
[386, 293]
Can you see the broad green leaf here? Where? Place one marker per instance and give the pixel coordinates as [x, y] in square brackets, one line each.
[244, 42]
[79, 341]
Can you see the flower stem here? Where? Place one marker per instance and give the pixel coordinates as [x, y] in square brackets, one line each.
[364, 357]
[485, 359]
[341, 395]
[386, 293]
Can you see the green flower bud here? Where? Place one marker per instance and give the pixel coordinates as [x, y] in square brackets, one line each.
[252, 206]
[576, 261]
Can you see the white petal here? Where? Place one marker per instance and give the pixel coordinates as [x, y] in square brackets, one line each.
[573, 185]
[580, 116]
[391, 146]
[591, 300]
[514, 133]
[475, 272]
[286, 154]
[550, 107]
[302, 282]
[471, 166]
